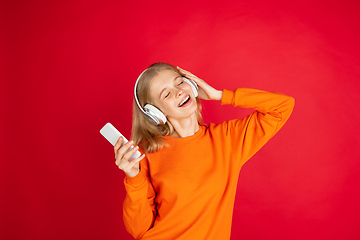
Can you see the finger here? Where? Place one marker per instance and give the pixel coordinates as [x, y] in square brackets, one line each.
[130, 153]
[127, 166]
[122, 150]
[186, 73]
[126, 158]
[183, 70]
[131, 164]
[189, 75]
[123, 160]
[132, 171]
[122, 164]
[118, 144]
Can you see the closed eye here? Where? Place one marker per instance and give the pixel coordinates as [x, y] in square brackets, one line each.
[167, 95]
[181, 83]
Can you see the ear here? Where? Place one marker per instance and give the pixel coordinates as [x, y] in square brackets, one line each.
[155, 114]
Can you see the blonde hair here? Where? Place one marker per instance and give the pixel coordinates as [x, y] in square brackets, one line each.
[145, 133]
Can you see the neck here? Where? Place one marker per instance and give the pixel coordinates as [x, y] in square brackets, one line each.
[185, 127]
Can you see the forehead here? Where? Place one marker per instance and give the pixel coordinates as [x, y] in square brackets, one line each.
[162, 79]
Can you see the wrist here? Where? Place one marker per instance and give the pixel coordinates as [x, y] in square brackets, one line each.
[136, 180]
[218, 95]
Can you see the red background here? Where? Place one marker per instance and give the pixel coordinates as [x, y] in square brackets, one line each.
[68, 67]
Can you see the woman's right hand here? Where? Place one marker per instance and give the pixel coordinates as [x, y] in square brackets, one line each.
[206, 91]
[131, 168]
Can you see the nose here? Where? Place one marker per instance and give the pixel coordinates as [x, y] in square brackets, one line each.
[179, 92]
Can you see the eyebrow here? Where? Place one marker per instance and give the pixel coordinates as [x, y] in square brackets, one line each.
[165, 88]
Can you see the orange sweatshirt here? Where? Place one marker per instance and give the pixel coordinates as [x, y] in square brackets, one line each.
[187, 190]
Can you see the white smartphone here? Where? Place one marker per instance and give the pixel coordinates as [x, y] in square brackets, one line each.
[112, 135]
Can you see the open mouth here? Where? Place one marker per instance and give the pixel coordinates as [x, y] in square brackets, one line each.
[184, 102]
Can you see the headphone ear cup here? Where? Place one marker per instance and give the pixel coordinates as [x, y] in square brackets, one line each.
[192, 84]
[155, 114]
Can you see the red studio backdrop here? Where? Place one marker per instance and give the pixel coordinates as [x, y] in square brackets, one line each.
[68, 67]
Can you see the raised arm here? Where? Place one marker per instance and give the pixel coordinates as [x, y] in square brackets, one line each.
[251, 133]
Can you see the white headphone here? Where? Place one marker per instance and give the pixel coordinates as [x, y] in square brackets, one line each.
[152, 112]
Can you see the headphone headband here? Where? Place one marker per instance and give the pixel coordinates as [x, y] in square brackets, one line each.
[135, 95]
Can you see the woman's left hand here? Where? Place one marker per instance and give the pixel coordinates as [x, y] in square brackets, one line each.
[205, 91]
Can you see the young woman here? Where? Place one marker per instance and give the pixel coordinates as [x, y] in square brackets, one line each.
[184, 185]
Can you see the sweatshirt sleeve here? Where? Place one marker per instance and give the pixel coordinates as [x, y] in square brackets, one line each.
[248, 135]
[139, 209]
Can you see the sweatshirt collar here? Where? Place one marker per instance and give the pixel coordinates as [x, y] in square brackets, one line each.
[174, 140]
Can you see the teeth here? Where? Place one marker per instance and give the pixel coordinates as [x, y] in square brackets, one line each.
[183, 101]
